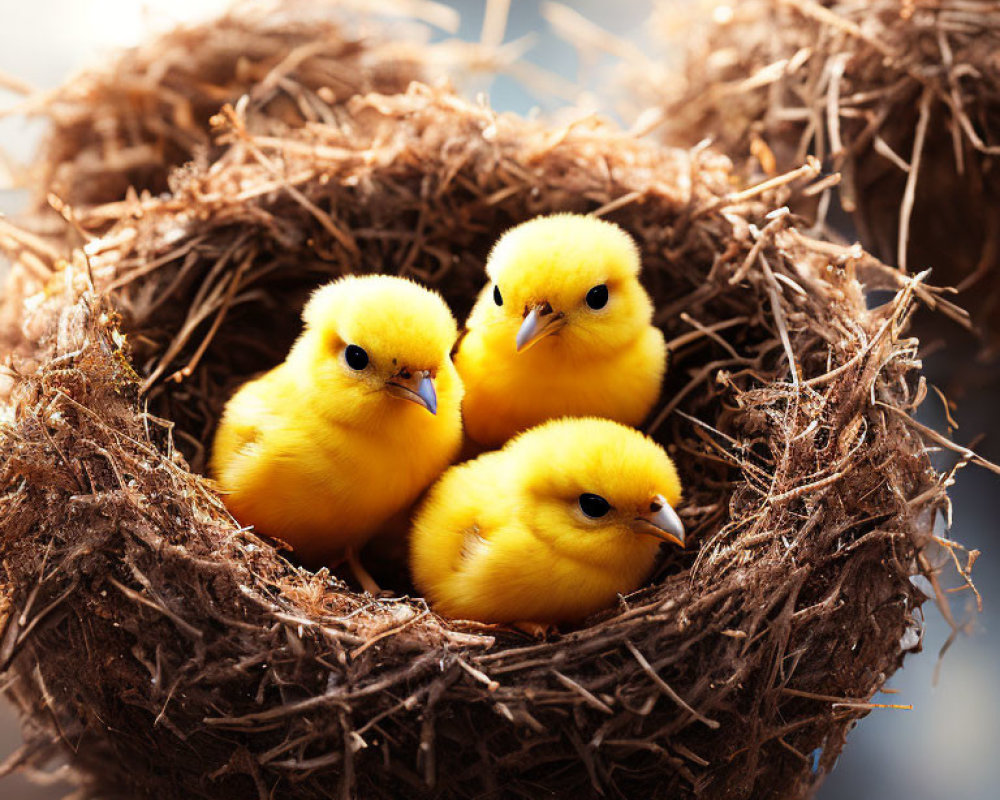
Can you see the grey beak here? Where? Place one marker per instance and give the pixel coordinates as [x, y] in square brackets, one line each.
[663, 522]
[538, 323]
[417, 388]
[427, 393]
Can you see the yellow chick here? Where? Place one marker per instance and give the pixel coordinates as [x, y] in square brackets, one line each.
[359, 419]
[551, 528]
[562, 329]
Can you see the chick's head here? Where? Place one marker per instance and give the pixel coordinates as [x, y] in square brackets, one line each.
[598, 491]
[566, 282]
[380, 338]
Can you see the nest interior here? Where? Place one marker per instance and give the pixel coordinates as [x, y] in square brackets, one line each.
[902, 98]
[168, 653]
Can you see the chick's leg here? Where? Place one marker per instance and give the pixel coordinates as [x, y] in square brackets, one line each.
[536, 630]
[362, 575]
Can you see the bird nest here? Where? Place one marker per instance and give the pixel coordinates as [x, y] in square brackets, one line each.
[166, 652]
[128, 123]
[902, 98]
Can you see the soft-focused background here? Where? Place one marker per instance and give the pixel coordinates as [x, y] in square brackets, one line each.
[948, 746]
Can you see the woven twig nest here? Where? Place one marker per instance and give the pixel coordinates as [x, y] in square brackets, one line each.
[167, 653]
[130, 122]
[902, 98]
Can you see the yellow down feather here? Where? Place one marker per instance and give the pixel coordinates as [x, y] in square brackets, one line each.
[507, 537]
[319, 453]
[574, 359]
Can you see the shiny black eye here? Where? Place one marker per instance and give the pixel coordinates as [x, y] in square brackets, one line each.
[598, 297]
[496, 295]
[593, 505]
[355, 357]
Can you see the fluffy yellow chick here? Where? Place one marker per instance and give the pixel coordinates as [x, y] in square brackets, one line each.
[562, 329]
[362, 415]
[551, 528]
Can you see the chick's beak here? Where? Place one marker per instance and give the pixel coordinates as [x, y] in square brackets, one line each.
[662, 522]
[417, 387]
[539, 322]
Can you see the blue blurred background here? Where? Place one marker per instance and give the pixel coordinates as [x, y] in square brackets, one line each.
[948, 746]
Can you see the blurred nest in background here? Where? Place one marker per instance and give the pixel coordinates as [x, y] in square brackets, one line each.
[118, 130]
[129, 123]
[166, 652]
[902, 97]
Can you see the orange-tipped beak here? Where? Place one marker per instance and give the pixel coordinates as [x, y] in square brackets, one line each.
[417, 388]
[662, 522]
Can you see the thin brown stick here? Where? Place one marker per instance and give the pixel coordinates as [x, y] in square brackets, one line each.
[909, 193]
[665, 688]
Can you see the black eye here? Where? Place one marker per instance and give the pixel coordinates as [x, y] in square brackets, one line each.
[598, 297]
[496, 295]
[593, 505]
[355, 357]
